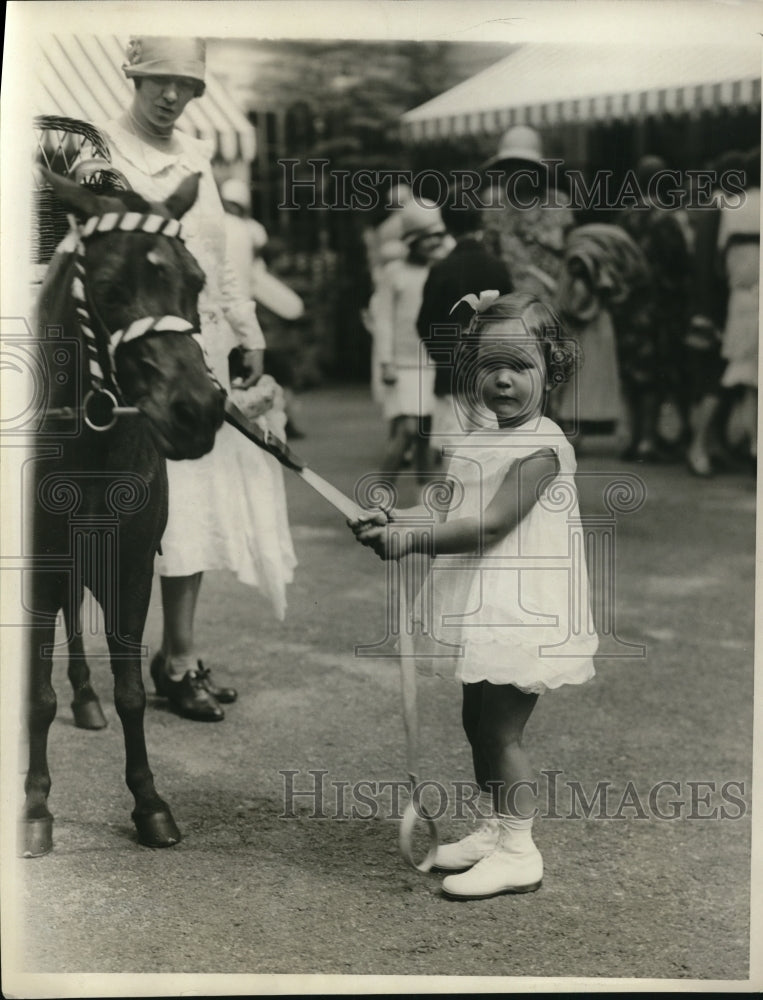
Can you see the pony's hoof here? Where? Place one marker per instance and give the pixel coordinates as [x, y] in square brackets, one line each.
[35, 837]
[156, 829]
[89, 714]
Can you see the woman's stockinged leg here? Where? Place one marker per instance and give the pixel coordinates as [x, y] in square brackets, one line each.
[177, 670]
[180, 595]
[503, 716]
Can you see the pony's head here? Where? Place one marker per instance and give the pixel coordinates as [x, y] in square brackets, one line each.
[132, 274]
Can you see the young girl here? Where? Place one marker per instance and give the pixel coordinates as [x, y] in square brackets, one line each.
[510, 585]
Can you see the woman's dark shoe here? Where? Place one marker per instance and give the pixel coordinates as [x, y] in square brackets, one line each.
[190, 695]
[225, 695]
[191, 698]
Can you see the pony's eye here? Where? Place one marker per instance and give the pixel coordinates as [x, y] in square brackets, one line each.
[148, 369]
[111, 294]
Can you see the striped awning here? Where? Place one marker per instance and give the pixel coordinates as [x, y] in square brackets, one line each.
[80, 76]
[546, 85]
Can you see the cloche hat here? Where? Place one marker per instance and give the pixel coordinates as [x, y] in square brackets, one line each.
[161, 55]
[399, 195]
[418, 219]
[520, 143]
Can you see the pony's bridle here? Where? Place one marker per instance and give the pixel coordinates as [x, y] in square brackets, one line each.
[100, 353]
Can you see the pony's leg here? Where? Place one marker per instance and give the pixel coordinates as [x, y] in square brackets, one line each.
[152, 817]
[86, 707]
[36, 828]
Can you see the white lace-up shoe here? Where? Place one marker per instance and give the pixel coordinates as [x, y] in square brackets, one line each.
[464, 853]
[515, 865]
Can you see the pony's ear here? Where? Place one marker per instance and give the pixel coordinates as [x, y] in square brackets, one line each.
[183, 196]
[74, 197]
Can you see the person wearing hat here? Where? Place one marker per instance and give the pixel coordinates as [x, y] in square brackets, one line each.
[408, 380]
[227, 510]
[382, 245]
[245, 239]
[651, 353]
[245, 236]
[526, 218]
[739, 246]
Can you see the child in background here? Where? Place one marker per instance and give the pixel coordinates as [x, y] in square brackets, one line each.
[524, 629]
[245, 239]
[408, 381]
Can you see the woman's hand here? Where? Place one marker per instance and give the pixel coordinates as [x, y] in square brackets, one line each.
[257, 399]
[253, 360]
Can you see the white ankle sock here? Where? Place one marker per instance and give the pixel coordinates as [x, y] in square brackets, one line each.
[516, 833]
[485, 807]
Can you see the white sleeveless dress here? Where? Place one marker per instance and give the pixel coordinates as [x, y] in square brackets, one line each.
[227, 510]
[517, 612]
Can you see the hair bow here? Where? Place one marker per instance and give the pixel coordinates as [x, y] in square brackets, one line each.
[479, 303]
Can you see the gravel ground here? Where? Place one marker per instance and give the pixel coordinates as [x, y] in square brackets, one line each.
[252, 893]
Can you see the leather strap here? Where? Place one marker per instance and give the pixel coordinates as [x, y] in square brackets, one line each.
[413, 812]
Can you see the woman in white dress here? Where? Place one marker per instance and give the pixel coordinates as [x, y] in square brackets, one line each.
[227, 510]
[739, 245]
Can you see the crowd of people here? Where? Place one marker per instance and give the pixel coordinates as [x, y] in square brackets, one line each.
[662, 302]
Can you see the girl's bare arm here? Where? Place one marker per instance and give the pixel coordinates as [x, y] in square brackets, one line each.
[516, 497]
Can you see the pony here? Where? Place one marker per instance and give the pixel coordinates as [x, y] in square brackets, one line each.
[128, 386]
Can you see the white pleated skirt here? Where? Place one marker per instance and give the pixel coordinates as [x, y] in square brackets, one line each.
[227, 510]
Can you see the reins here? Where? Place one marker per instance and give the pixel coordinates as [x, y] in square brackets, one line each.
[104, 390]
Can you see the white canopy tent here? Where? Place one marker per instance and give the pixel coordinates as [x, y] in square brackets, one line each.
[545, 85]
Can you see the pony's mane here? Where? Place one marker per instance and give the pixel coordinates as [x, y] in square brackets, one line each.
[131, 201]
[134, 202]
